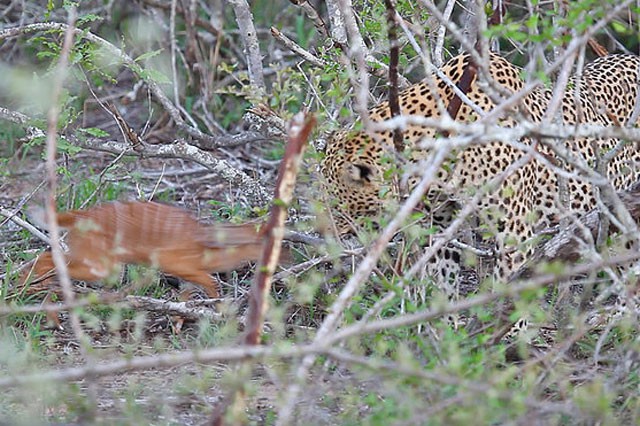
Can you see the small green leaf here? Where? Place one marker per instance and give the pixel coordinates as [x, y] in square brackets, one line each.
[156, 76]
[619, 27]
[88, 18]
[95, 132]
[148, 55]
[65, 146]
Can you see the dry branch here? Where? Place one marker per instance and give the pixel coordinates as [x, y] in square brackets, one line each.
[394, 53]
[337, 24]
[112, 299]
[249, 37]
[13, 216]
[298, 134]
[53, 115]
[265, 121]
[254, 190]
[297, 49]
[191, 310]
[237, 353]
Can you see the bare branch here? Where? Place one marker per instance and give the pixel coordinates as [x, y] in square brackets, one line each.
[337, 24]
[191, 310]
[297, 49]
[249, 37]
[357, 52]
[50, 205]
[298, 133]
[442, 31]
[181, 149]
[394, 53]
[237, 353]
[12, 216]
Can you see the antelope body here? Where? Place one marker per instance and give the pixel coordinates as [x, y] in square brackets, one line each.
[103, 238]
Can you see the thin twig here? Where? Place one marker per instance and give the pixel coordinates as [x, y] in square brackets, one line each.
[394, 53]
[296, 48]
[50, 205]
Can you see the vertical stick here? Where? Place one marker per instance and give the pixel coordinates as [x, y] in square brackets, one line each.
[394, 53]
[249, 36]
[298, 133]
[50, 208]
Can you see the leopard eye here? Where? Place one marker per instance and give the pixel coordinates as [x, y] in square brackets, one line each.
[359, 173]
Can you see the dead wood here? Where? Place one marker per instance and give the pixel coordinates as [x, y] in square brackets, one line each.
[194, 310]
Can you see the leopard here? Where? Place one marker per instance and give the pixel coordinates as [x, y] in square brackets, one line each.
[538, 194]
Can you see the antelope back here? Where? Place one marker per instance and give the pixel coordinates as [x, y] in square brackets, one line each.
[138, 232]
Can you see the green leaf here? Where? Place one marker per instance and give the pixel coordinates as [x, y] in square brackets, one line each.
[95, 132]
[88, 18]
[65, 146]
[619, 27]
[156, 76]
[148, 55]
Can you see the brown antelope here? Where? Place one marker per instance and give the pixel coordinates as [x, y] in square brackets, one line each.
[103, 238]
